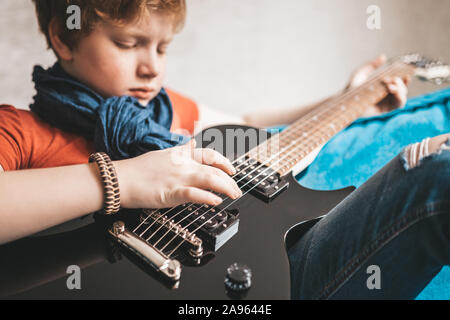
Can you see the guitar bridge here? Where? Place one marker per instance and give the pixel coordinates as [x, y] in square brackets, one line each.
[170, 226]
[170, 268]
[183, 232]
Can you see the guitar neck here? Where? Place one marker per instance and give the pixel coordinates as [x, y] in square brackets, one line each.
[295, 148]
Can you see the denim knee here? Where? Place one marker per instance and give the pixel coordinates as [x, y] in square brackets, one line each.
[429, 176]
[416, 154]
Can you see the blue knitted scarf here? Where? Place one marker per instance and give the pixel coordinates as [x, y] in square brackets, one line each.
[119, 126]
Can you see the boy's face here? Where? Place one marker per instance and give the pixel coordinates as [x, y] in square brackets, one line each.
[127, 60]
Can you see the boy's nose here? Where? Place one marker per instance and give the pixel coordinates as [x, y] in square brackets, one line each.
[146, 71]
[148, 68]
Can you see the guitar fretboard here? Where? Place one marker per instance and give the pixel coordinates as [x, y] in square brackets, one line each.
[285, 150]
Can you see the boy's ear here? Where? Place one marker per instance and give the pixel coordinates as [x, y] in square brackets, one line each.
[61, 49]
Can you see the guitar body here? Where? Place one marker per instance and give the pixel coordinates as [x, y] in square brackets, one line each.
[36, 267]
[255, 230]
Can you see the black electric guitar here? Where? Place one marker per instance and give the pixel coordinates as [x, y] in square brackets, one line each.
[235, 250]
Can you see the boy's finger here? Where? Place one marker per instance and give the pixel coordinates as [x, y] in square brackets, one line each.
[399, 92]
[402, 84]
[214, 182]
[392, 88]
[395, 85]
[378, 62]
[195, 195]
[406, 80]
[222, 175]
[213, 158]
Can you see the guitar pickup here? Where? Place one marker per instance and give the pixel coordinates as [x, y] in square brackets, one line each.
[213, 225]
[260, 180]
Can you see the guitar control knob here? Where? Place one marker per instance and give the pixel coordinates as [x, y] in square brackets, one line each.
[238, 278]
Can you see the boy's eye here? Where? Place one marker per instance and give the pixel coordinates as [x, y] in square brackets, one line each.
[162, 50]
[125, 45]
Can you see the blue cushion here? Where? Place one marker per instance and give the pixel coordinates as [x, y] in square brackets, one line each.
[355, 154]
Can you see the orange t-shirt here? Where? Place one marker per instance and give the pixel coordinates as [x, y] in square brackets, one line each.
[27, 142]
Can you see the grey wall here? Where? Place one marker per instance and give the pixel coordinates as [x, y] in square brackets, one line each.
[241, 55]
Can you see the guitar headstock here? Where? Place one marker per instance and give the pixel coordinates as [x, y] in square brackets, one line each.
[427, 69]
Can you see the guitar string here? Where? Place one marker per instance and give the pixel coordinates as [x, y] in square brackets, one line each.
[238, 169]
[193, 231]
[178, 213]
[262, 145]
[302, 120]
[188, 208]
[295, 149]
[193, 213]
[378, 74]
[367, 83]
[200, 226]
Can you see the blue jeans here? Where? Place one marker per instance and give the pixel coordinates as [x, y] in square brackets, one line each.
[398, 221]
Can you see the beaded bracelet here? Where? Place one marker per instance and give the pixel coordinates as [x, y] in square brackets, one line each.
[110, 182]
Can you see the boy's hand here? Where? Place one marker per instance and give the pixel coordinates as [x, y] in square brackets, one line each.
[167, 178]
[397, 87]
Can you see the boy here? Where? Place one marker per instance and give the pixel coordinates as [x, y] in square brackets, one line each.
[120, 52]
[115, 53]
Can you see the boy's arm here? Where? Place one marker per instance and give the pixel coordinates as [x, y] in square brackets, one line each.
[262, 119]
[209, 117]
[270, 118]
[396, 99]
[36, 199]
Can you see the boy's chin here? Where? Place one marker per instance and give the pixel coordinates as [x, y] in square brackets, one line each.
[144, 102]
